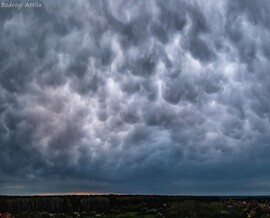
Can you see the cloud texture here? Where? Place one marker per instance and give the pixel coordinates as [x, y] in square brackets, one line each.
[166, 97]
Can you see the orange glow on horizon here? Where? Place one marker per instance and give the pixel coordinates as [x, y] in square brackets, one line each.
[73, 193]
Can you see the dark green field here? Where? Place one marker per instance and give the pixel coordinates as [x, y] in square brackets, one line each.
[144, 206]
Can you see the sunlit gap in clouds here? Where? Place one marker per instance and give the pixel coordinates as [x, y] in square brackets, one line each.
[73, 193]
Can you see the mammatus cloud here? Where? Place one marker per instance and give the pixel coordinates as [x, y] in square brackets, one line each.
[135, 97]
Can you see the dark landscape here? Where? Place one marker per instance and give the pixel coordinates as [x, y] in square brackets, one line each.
[145, 206]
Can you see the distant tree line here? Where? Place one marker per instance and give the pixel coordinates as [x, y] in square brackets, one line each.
[63, 204]
[169, 206]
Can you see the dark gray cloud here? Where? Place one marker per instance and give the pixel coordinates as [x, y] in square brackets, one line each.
[135, 97]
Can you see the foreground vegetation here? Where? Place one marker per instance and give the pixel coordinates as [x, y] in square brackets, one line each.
[133, 206]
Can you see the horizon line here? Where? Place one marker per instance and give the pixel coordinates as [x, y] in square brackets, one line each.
[132, 194]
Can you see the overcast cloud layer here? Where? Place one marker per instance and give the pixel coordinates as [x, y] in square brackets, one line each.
[165, 97]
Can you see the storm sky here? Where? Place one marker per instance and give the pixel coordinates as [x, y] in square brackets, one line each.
[135, 96]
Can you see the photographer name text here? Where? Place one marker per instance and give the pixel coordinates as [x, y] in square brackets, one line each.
[21, 5]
